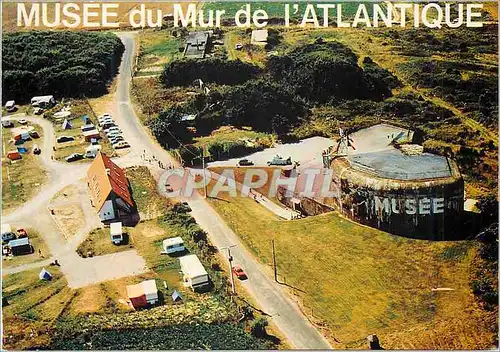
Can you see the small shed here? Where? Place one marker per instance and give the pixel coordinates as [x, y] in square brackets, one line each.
[45, 275]
[14, 155]
[66, 125]
[259, 37]
[21, 246]
[176, 296]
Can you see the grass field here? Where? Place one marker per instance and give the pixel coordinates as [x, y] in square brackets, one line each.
[359, 280]
[231, 134]
[21, 179]
[156, 49]
[38, 244]
[144, 191]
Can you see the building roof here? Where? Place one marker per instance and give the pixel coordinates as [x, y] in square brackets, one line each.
[147, 287]
[88, 133]
[19, 242]
[394, 164]
[259, 36]
[104, 177]
[115, 228]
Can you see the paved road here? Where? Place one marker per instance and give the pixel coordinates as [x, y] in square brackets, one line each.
[268, 294]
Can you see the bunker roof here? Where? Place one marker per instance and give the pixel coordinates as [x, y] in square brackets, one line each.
[393, 164]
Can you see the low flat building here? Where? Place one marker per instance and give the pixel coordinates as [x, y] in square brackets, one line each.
[196, 45]
[43, 101]
[109, 189]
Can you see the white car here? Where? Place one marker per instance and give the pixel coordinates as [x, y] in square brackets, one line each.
[23, 121]
[121, 144]
[111, 129]
[106, 122]
[113, 134]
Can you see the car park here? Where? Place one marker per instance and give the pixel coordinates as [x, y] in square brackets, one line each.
[63, 139]
[239, 272]
[74, 157]
[121, 144]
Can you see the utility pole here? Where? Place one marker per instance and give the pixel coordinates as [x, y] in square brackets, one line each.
[274, 263]
[204, 176]
[230, 258]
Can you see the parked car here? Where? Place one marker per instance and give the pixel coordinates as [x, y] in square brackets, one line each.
[34, 134]
[113, 134]
[37, 111]
[245, 162]
[278, 160]
[7, 237]
[239, 272]
[116, 139]
[23, 121]
[63, 139]
[74, 157]
[112, 129]
[7, 124]
[121, 144]
[108, 121]
[36, 149]
[21, 233]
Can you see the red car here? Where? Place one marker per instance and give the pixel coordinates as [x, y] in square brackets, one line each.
[238, 271]
[21, 233]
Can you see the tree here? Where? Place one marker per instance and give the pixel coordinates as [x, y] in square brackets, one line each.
[259, 326]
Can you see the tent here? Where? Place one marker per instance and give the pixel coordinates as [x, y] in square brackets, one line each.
[45, 275]
[176, 296]
[14, 155]
[22, 149]
[66, 125]
[86, 119]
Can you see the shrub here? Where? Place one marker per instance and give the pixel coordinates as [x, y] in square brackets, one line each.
[212, 70]
[258, 327]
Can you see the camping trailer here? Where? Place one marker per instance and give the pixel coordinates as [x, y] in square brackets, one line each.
[116, 232]
[10, 106]
[195, 275]
[173, 245]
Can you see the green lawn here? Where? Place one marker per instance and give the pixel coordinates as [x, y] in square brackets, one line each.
[358, 280]
[99, 242]
[144, 191]
[38, 244]
[225, 134]
[21, 179]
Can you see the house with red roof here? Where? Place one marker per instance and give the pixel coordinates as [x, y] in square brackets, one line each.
[109, 189]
